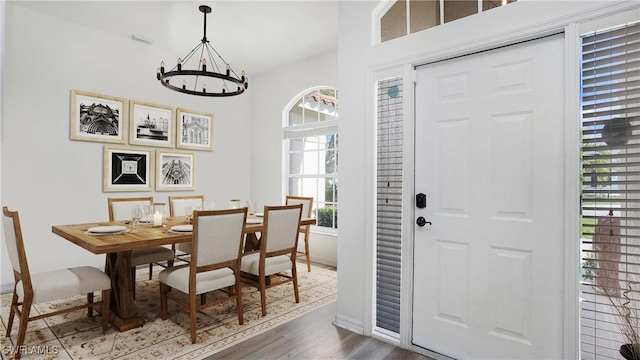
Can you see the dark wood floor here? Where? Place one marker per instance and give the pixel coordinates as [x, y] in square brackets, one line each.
[313, 336]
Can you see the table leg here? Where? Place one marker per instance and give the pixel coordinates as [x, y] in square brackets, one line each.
[123, 312]
[251, 242]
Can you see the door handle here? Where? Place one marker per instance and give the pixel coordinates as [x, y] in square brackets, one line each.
[422, 222]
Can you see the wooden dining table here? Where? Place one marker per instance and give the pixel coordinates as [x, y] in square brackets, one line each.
[118, 248]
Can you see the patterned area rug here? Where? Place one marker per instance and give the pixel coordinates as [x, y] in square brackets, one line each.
[75, 336]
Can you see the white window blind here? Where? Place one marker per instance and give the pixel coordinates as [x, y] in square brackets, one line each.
[389, 204]
[610, 222]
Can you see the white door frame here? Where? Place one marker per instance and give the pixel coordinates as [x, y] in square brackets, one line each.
[571, 27]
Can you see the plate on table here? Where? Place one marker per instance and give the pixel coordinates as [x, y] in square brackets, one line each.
[107, 229]
[260, 214]
[254, 221]
[182, 228]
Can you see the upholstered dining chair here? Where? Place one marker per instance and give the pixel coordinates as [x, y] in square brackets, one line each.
[214, 265]
[277, 254]
[307, 209]
[120, 209]
[177, 205]
[33, 288]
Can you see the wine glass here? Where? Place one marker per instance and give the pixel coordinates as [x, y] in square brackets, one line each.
[146, 210]
[188, 212]
[252, 206]
[136, 215]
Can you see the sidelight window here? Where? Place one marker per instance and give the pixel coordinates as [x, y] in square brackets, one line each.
[610, 221]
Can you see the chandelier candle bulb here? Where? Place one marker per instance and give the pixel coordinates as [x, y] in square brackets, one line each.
[184, 84]
[204, 64]
[179, 64]
[162, 67]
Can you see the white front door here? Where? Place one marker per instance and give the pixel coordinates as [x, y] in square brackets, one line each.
[488, 272]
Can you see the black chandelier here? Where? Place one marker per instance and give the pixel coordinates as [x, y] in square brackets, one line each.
[191, 78]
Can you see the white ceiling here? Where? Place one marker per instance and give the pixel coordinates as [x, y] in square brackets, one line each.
[251, 35]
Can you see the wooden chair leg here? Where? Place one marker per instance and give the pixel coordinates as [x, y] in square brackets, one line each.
[263, 295]
[306, 253]
[12, 312]
[90, 302]
[163, 300]
[24, 320]
[238, 294]
[192, 317]
[106, 311]
[150, 270]
[294, 277]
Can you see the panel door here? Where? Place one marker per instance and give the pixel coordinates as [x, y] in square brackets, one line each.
[488, 272]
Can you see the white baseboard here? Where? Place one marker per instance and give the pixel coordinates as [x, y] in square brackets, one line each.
[323, 261]
[350, 324]
[6, 288]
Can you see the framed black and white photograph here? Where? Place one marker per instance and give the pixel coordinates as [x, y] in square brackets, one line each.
[175, 170]
[97, 117]
[194, 130]
[151, 124]
[127, 169]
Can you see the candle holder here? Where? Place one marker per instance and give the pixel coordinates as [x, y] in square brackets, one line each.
[158, 215]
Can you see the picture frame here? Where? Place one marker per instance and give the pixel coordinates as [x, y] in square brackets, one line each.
[98, 117]
[151, 124]
[194, 130]
[175, 170]
[127, 169]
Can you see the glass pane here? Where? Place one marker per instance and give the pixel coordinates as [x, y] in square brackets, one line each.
[311, 143]
[457, 9]
[296, 114]
[423, 14]
[335, 190]
[309, 187]
[296, 144]
[492, 4]
[295, 163]
[394, 23]
[295, 186]
[331, 163]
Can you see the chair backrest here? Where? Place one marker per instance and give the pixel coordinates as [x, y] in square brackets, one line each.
[178, 203]
[15, 246]
[217, 236]
[120, 208]
[307, 204]
[281, 225]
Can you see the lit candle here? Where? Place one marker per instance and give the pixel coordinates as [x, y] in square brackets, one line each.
[179, 64]
[157, 219]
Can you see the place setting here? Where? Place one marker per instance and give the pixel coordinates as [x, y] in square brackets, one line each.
[107, 230]
[181, 229]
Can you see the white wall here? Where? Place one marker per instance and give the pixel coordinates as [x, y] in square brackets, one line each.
[270, 93]
[52, 180]
[358, 61]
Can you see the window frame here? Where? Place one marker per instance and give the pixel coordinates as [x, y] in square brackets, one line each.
[302, 131]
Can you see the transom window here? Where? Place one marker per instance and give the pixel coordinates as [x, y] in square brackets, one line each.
[311, 152]
[401, 17]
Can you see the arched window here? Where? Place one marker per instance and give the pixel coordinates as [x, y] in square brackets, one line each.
[311, 151]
